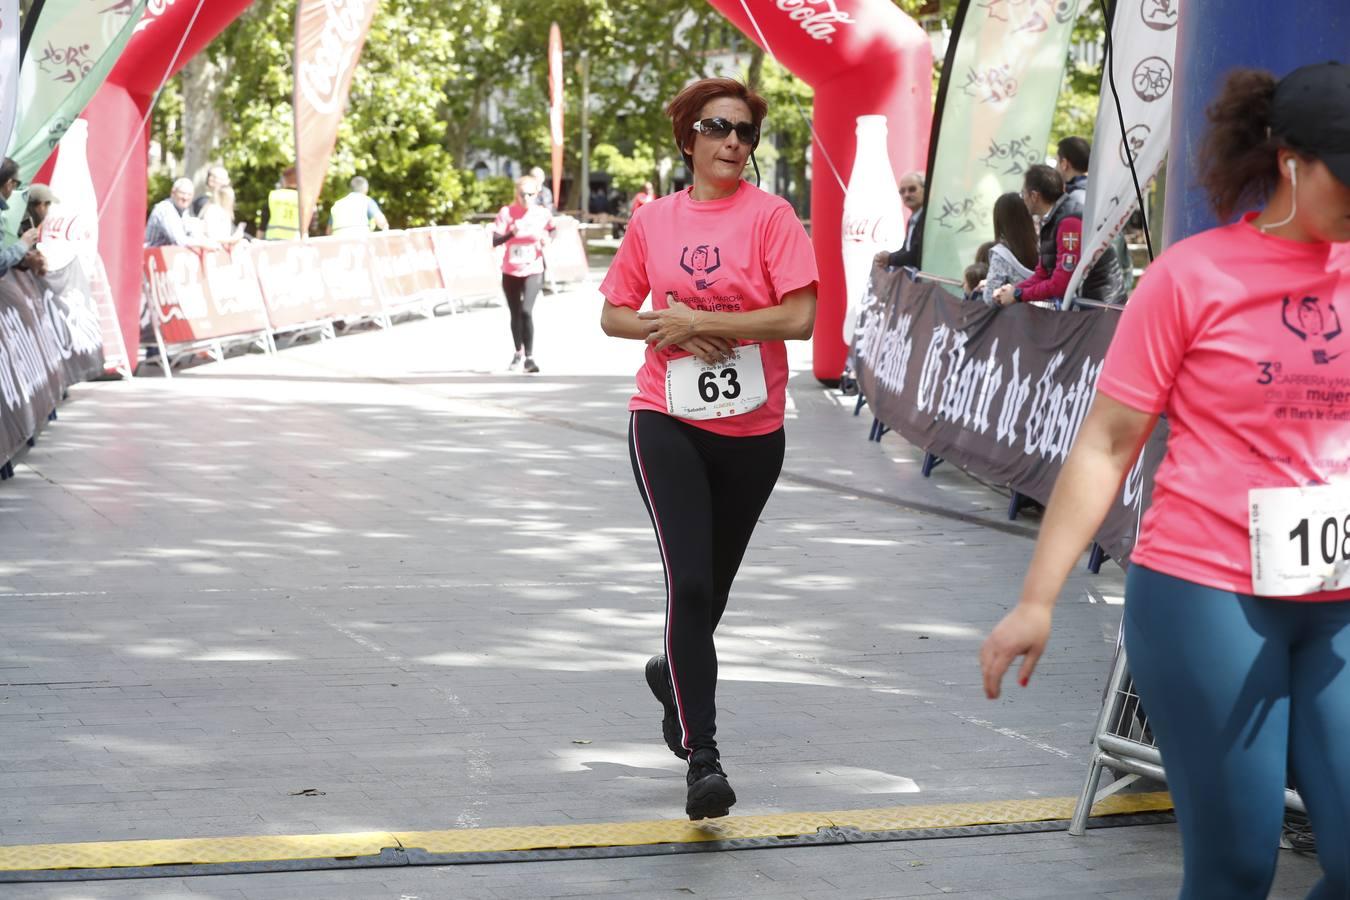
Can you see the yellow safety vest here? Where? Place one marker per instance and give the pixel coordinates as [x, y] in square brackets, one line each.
[283, 214]
[351, 213]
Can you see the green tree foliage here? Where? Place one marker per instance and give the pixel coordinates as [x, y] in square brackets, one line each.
[629, 172]
[394, 130]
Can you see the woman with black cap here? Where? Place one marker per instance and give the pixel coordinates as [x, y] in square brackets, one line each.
[1237, 605]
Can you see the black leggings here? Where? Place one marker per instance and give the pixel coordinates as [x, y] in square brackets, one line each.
[521, 292]
[704, 493]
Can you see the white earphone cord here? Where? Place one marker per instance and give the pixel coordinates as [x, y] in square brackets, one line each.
[1293, 209]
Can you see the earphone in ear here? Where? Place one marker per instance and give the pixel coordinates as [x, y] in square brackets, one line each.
[1292, 165]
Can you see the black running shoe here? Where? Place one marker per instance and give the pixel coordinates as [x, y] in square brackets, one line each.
[530, 365]
[658, 679]
[710, 795]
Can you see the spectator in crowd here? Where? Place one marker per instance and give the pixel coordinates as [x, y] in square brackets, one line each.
[216, 178]
[357, 213]
[982, 251]
[281, 218]
[545, 196]
[1012, 256]
[40, 200]
[167, 226]
[1072, 156]
[642, 197]
[972, 279]
[911, 251]
[1061, 241]
[23, 251]
[218, 217]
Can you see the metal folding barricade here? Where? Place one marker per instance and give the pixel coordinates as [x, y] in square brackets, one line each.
[1123, 742]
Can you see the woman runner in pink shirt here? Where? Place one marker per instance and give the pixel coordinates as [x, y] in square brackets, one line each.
[732, 275]
[523, 227]
[1237, 605]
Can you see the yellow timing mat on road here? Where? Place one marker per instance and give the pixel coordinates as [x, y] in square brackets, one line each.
[278, 848]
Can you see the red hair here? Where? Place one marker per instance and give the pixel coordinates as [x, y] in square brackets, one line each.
[688, 105]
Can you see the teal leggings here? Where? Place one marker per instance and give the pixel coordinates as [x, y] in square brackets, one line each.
[1240, 691]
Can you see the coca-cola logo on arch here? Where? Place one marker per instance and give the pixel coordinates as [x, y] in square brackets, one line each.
[817, 18]
[324, 71]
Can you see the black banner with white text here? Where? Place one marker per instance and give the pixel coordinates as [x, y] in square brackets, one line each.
[1000, 392]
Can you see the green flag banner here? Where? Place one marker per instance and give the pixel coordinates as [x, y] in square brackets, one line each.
[998, 99]
[74, 46]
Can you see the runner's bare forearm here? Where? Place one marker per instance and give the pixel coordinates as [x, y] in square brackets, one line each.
[1107, 445]
[792, 320]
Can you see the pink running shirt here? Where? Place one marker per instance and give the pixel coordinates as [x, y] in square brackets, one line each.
[737, 254]
[524, 253]
[1238, 338]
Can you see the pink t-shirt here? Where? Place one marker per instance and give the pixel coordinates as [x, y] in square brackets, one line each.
[737, 254]
[524, 253]
[1237, 337]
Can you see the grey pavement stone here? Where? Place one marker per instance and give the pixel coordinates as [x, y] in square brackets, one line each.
[384, 569]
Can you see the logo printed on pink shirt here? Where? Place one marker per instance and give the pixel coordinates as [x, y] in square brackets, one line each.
[698, 267]
[1313, 323]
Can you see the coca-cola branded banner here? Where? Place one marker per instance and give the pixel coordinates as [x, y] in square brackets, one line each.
[1143, 48]
[70, 231]
[329, 35]
[874, 217]
[998, 392]
[1004, 67]
[555, 108]
[72, 309]
[186, 309]
[49, 339]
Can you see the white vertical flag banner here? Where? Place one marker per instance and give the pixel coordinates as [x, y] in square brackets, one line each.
[9, 67]
[1143, 53]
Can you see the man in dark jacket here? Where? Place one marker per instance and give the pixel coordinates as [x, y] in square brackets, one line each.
[1061, 244]
[912, 195]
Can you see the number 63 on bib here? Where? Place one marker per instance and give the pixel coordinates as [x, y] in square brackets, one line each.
[1300, 539]
[696, 390]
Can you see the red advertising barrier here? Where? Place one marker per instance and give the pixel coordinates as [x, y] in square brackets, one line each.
[406, 263]
[468, 264]
[268, 286]
[348, 270]
[184, 307]
[292, 283]
[565, 255]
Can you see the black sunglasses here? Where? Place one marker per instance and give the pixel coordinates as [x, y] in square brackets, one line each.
[718, 128]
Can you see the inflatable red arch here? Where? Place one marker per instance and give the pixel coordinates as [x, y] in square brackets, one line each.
[861, 57]
[116, 135]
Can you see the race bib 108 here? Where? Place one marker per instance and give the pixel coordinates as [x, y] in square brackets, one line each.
[1300, 539]
[696, 390]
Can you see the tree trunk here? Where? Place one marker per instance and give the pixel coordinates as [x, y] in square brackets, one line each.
[202, 125]
[756, 67]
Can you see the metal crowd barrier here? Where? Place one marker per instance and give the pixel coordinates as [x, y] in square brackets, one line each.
[1123, 742]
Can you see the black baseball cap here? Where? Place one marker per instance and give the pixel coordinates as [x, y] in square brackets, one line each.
[1311, 113]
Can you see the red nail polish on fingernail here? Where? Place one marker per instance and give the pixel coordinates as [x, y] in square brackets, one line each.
[1023, 681]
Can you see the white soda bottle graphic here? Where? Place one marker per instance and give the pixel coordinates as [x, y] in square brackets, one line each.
[70, 233]
[873, 215]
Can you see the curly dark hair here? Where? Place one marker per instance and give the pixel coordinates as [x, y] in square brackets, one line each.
[1239, 159]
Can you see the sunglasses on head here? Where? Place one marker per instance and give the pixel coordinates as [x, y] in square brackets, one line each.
[718, 128]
